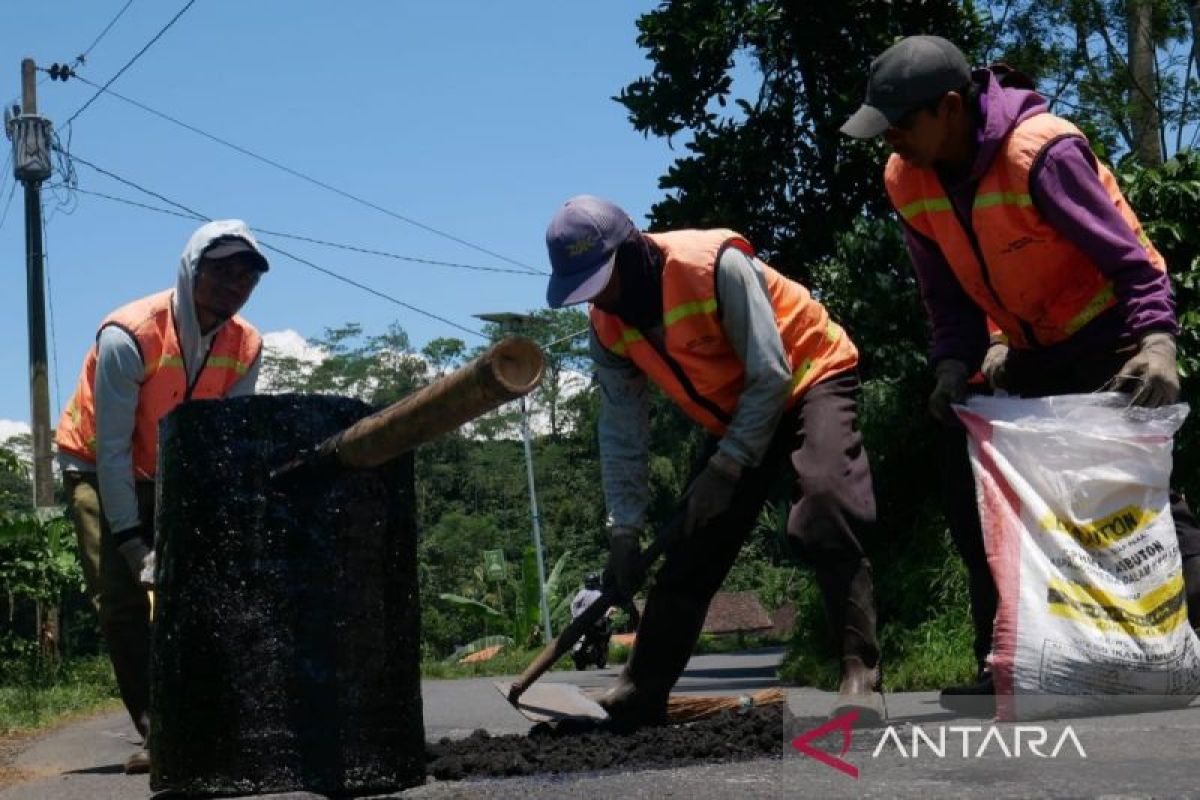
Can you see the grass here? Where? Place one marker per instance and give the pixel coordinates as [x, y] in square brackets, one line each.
[935, 654]
[30, 700]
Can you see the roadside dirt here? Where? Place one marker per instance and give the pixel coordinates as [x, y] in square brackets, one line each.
[584, 747]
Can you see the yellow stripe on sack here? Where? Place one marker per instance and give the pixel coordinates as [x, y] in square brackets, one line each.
[1092, 310]
[684, 310]
[1158, 612]
[918, 207]
[1104, 531]
[833, 331]
[629, 336]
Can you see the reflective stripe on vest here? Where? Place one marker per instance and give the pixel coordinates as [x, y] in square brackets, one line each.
[1037, 286]
[697, 367]
[150, 322]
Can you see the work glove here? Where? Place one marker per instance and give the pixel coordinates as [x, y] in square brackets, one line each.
[624, 571]
[138, 556]
[951, 388]
[994, 366]
[1152, 375]
[711, 492]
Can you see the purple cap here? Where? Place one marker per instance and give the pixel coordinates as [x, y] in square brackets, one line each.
[582, 239]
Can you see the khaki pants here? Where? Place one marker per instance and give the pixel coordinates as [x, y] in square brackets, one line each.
[123, 605]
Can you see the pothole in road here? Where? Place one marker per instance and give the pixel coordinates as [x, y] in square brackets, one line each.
[728, 736]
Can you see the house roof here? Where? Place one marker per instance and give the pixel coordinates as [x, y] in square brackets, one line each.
[731, 612]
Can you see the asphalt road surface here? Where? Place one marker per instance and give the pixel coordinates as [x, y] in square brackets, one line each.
[1140, 755]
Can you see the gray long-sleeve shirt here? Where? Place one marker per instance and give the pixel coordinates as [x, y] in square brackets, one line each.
[748, 321]
[119, 373]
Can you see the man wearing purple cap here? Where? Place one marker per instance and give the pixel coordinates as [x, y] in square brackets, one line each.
[1031, 264]
[149, 356]
[755, 360]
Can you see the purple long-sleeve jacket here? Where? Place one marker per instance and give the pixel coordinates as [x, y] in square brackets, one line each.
[1066, 190]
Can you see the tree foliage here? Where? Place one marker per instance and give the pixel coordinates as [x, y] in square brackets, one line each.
[757, 91]
[1134, 94]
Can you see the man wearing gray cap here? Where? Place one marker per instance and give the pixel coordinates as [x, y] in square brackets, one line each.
[149, 356]
[753, 358]
[1032, 267]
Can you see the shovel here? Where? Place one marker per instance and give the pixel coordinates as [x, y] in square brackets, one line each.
[559, 700]
[509, 369]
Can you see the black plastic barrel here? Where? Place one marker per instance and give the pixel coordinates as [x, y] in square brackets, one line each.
[287, 627]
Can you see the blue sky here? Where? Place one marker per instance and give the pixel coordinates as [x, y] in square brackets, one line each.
[476, 118]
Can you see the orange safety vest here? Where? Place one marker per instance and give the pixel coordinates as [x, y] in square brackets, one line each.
[151, 323]
[698, 368]
[1036, 286]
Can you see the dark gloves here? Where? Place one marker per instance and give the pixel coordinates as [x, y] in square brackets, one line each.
[137, 554]
[994, 366]
[951, 388]
[1152, 375]
[711, 492]
[624, 570]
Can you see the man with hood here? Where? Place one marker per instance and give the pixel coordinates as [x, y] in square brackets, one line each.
[754, 359]
[149, 356]
[1032, 266]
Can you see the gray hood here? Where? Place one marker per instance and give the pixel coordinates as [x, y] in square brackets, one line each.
[187, 327]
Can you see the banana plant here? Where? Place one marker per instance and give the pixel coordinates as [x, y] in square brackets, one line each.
[520, 624]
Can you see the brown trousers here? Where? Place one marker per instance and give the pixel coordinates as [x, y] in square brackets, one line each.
[833, 499]
[123, 605]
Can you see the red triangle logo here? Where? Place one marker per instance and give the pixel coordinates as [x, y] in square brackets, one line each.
[845, 724]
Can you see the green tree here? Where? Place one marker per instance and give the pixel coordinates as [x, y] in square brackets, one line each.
[562, 335]
[378, 369]
[757, 90]
[1124, 70]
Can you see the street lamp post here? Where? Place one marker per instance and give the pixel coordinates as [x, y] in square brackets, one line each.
[510, 323]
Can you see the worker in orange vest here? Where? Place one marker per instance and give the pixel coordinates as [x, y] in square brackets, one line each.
[1031, 264]
[755, 360]
[149, 356]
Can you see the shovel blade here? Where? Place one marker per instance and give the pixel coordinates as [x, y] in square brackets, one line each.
[550, 702]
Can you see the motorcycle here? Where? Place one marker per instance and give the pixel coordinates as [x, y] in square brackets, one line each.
[592, 648]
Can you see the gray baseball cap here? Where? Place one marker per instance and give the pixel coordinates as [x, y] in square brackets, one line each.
[908, 74]
[582, 240]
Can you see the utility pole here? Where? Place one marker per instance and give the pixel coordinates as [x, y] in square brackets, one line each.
[509, 323]
[31, 165]
[30, 136]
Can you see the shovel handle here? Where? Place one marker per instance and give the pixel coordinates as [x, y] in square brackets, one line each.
[560, 644]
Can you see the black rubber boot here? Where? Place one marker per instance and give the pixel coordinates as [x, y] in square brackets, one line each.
[976, 699]
[850, 608]
[669, 629]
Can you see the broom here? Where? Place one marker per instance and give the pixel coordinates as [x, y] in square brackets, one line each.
[689, 708]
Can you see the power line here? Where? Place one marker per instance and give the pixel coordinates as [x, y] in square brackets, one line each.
[82, 57]
[308, 178]
[567, 338]
[366, 288]
[4, 176]
[203, 217]
[396, 256]
[130, 63]
[7, 203]
[301, 238]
